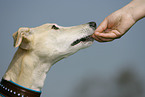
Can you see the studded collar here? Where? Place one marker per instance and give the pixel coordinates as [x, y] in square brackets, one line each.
[10, 89]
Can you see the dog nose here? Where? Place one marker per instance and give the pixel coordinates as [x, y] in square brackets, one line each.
[92, 24]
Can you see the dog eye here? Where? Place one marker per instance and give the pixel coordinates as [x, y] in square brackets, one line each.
[54, 27]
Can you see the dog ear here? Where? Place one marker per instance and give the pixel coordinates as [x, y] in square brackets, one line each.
[22, 38]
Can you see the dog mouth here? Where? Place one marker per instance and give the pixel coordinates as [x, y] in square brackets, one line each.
[84, 39]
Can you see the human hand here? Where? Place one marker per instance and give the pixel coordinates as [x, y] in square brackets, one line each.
[114, 26]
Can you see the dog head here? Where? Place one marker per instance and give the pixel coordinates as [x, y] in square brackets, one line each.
[54, 42]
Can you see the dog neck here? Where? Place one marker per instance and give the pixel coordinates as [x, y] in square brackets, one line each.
[26, 69]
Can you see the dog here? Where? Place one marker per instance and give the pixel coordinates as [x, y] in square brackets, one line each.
[40, 48]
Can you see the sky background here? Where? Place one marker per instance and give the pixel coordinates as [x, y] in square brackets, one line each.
[100, 61]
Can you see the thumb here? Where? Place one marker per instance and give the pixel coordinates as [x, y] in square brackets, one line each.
[102, 27]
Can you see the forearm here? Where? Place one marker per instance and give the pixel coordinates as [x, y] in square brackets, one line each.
[137, 8]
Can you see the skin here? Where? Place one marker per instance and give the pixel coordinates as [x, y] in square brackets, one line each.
[119, 22]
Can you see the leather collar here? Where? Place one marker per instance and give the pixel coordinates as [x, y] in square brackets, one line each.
[10, 89]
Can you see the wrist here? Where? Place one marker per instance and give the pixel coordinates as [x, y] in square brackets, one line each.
[137, 9]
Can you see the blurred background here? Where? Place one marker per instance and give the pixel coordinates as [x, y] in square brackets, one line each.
[113, 69]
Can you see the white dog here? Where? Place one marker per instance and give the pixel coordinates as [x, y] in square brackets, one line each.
[41, 47]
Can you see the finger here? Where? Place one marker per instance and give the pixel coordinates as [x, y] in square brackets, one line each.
[102, 26]
[113, 34]
[96, 38]
[105, 40]
[101, 39]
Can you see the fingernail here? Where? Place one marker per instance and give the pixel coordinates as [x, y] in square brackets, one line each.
[96, 33]
[93, 36]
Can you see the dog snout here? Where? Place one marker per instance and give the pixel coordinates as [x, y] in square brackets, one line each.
[93, 25]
